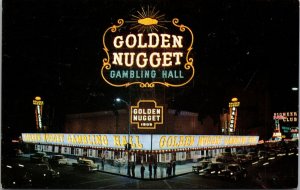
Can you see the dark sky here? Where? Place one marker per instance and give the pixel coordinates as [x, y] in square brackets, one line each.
[53, 48]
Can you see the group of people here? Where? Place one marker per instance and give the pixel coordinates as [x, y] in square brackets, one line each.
[150, 167]
[171, 166]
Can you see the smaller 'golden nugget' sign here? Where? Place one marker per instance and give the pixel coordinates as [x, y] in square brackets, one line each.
[146, 114]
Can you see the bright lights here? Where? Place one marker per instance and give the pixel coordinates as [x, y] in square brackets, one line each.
[294, 88]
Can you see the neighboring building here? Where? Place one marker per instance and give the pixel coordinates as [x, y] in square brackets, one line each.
[109, 122]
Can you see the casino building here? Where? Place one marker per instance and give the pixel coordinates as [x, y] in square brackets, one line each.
[182, 137]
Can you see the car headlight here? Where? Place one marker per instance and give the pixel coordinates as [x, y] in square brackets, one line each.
[231, 173]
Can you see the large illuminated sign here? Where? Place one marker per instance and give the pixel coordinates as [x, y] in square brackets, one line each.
[233, 114]
[38, 111]
[286, 116]
[147, 50]
[139, 141]
[146, 114]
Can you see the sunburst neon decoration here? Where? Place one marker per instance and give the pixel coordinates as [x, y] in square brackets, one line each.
[148, 20]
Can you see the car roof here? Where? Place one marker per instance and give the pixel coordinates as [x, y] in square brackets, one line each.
[233, 164]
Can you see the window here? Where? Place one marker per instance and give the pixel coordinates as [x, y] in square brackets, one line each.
[92, 153]
[78, 152]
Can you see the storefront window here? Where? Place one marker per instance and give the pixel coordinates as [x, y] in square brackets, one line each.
[78, 152]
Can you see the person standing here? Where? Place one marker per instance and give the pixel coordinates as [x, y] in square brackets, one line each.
[170, 170]
[133, 169]
[142, 171]
[174, 166]
[102, 162]
[150, 170]
[155, 169]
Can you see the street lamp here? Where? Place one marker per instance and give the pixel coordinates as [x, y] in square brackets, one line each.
[128, 145]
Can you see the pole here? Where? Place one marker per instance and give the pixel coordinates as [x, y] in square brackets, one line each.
[128, 168]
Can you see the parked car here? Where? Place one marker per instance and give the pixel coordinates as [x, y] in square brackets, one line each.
[235, 172]
[242, 159]
[225, 157]
[42, 174]
[15, 175]
[212, 169]
[58, 160]
[252, 156]
[39, 157]
[200, 165]
[85, 165]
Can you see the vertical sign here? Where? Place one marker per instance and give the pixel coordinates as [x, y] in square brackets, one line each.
[38, 111]
[233, 114]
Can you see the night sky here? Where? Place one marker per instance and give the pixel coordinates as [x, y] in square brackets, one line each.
[53, 49]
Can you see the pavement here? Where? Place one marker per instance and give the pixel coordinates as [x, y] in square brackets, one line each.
[161, 171]
[180, 169]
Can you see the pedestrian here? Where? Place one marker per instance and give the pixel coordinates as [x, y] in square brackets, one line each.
[150, 170]
[155, 169]
[133, 169]
[102, 162]
[170, 170]
[128, 168]
[174, 165]
[142, 171]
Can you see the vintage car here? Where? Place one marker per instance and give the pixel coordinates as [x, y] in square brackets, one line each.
[84, 164]
[43, 174]
[252, 156]
[39, 157]
[15, 175]
[225, 157]
[58, 160]
[242, 159]
[234, 172]
[213, 169]
[200, 165]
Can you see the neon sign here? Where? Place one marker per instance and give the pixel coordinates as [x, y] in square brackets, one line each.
[38, 111]
[286, 116]
[233, 114]
[139, 141]
[146, 114]
[148, 50]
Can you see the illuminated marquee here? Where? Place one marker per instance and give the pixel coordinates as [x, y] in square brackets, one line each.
[148, 50]
[139, 141]
[146, 114]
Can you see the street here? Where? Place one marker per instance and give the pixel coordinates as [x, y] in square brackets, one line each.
[281, 172]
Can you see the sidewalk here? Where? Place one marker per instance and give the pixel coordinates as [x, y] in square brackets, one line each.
[161, 171]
